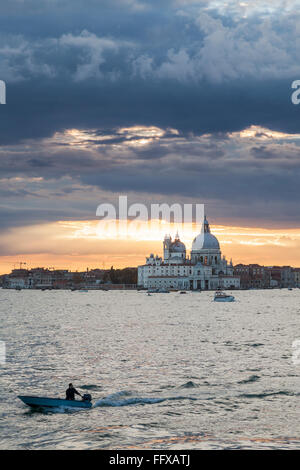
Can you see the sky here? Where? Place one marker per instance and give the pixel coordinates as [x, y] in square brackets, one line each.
[180, 101]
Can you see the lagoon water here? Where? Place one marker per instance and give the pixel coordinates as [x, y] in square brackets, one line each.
[166, 371]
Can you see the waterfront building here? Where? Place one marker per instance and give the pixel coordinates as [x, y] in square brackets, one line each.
[46, 278]
[281, 276]
[204, 269]
[296, 273]
[253, 276]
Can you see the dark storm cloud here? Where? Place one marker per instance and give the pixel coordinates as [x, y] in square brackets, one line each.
[197, 180]
[176, 165]
[144, 64]
[38, 109]
[17, 217]
[101, 66]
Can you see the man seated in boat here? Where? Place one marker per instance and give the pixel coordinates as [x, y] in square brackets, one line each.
[70, 392]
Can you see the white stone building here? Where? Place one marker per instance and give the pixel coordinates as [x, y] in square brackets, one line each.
[205, 269]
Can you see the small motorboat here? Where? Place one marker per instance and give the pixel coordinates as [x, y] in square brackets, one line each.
[44, 402]
[223, 297]
[182, 292]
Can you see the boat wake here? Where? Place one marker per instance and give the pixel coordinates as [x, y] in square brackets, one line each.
[126, 398]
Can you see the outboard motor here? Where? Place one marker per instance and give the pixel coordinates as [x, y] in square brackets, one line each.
[87, 397]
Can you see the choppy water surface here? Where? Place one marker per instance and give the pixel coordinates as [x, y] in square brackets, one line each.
[166, 371]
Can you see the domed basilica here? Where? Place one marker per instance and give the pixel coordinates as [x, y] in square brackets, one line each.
[205, 268]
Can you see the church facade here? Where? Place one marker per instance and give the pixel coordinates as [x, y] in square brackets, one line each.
[205, 269]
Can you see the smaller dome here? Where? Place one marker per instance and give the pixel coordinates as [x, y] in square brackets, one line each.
[177, 247]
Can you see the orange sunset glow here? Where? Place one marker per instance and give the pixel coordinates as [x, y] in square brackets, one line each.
[77, 245]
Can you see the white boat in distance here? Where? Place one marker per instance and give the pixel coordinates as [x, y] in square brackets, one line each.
[223, 297]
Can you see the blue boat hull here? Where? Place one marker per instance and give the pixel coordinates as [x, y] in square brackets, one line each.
[44, 402]
[225, 299]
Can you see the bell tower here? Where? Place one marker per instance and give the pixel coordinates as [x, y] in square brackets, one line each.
[167, 243]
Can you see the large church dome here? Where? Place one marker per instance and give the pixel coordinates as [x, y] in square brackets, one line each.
[205, 240]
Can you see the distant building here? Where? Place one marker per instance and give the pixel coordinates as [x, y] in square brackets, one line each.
[296, 273]
[281, 276]
[204, 269]
[253, 276]
[43, 278]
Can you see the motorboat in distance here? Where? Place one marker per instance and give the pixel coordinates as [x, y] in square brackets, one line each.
[221, 296]
[161, 290]
[45, 402]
